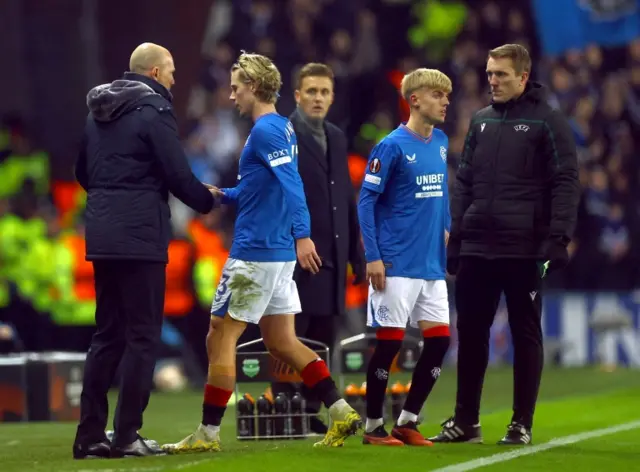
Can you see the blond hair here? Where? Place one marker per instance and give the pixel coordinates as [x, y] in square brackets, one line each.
[430, 78]
[262, 73]
[518, 54]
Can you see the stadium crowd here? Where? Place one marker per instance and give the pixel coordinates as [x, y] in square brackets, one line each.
[46, 287]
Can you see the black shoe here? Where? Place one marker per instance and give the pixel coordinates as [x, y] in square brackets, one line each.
[456, 432]
[517, 435]
[316, 425]
[99, 450]
[141, 447]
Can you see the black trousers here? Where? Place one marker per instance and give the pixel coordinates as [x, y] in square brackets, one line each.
[129, 311]
[319, 328]
[479, 285]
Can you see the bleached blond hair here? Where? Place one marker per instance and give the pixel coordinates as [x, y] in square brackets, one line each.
[432, 79]
[260, 71]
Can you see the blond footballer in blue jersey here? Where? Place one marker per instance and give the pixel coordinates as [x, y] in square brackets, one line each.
[256, 286]
[405, 222]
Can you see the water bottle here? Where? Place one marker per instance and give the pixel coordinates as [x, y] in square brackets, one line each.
[281, 408]
[246, 419]
[265, 420]
[299, 423]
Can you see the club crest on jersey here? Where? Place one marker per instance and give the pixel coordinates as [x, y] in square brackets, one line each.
[375, 165]
[443, 153]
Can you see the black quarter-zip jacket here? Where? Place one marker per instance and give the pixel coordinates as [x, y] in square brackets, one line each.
[517, 183]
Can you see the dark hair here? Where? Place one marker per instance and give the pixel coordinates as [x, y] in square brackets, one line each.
[518, 55]
[313, 69]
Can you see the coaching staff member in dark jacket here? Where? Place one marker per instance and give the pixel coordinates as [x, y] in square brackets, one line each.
[514, 209]
[323, 167]
[131, 158]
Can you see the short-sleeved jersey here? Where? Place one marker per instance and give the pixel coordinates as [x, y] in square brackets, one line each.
[412, 211]
[272, 209]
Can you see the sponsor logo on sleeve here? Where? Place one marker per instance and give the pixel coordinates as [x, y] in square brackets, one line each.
[372, 179]
[277, 158]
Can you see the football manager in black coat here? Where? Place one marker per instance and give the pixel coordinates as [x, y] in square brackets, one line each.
[130, 159]
[323, 167]
[513, 212]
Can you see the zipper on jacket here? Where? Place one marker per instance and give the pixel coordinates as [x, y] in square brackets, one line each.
[496, 154]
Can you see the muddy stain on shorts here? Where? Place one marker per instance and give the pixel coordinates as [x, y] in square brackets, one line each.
[245, 290]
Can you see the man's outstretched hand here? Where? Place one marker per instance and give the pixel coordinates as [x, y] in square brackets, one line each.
[215, 191]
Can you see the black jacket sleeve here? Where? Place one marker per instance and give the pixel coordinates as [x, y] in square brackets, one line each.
[81, 172]
[356, 249]
[559, 150]
[462, 196]
[163, 136]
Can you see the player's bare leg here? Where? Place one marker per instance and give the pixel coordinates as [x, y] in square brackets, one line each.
[388, 342]
[278, 332]
[425, 374]
[221, 346]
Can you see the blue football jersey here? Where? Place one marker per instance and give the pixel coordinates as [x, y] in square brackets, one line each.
[404, 204]
[272, 208]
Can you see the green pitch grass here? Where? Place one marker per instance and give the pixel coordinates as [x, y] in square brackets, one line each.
[572, 401]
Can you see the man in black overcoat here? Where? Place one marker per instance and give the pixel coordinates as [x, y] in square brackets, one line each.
[130, 160]
[323, 166]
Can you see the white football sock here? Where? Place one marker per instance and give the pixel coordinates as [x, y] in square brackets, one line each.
[211, 430]
[338, 406]
[406, 417]
[373, 423]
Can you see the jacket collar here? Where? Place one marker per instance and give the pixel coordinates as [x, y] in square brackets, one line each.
[533, 92]
[298, 117]
[155, 85]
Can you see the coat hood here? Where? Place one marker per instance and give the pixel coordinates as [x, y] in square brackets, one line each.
[107, 102]
[535, 91]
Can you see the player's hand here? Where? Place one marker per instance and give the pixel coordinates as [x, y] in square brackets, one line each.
[375, 275]
[307, 255]
[446, 238]
[216, 192]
